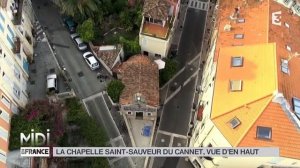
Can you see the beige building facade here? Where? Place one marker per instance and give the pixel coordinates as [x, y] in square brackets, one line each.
[16, 51]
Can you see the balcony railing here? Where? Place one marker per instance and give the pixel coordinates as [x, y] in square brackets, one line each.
[3, 3]
[17, 45]
[16, 9]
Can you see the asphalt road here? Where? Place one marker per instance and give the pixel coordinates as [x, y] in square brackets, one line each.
[67, 53]
[177, 111]
[84, 81]
[191, 38]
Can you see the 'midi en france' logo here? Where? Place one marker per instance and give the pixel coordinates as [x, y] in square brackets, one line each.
[35, 139]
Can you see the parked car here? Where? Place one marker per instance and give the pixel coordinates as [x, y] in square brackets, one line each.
[70, 24]
[91, 60]
[80, 44]
[52, 83]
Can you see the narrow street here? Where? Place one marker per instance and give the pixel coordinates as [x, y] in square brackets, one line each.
[178, 98]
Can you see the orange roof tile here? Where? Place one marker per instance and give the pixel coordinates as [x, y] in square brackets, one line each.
[261, 74]
[286, 136]
[256, 84]
[288, 84]
[139, 74]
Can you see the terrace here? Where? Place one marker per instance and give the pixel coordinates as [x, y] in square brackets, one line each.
[158, 18]
[155, 30]
[16, 9]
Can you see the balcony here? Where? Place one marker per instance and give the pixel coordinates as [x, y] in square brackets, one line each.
[16, 9]
[17, 45]
[3, 3]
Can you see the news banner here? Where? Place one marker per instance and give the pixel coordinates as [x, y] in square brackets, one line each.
[147, 152]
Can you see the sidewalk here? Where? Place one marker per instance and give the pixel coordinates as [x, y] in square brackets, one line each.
[180, 24]
[43, 64]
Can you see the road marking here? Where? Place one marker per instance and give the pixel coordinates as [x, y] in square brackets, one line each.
[178, 73]
[196, 4]
[92, 97]
[172, 134]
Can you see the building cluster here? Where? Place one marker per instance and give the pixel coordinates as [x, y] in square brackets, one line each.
[16, 51]
[250, 94]
[139, 101]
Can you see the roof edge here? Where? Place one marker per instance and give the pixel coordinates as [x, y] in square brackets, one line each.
[250, 125]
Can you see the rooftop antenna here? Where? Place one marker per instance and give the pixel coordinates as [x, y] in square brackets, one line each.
[291, 56]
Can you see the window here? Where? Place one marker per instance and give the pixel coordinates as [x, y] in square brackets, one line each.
[129, 112]
[2, 17]
[2, 156]
[263, 132]
[239, 36]
[236, 85]
[234, 122]
[3, 134]
[287, 2]
[284, 66]
[236, 61]
[10, 41]
[12, 34]
[17, 73]
[1, 28]
[296, 105]
[241, 20]
[16, 90]
[289, 48]
[5, 101]
[286, 25]
[157, 55]
[149, 114]
[4, 115]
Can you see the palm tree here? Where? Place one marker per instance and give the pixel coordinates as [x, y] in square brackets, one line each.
[86, 8]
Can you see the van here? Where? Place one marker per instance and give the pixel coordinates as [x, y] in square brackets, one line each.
[52, 83]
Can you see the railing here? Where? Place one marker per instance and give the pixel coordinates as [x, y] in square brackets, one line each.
[17, 45]
[16, 10]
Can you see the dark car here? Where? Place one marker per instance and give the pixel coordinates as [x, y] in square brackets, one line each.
[70, 24]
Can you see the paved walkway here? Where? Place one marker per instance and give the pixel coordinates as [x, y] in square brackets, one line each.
[43, 64]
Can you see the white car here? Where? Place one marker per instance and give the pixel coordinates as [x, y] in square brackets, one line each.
[90, 59]
[52, 83]
[80, 44]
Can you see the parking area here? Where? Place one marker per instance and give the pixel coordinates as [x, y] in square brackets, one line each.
[43, 65]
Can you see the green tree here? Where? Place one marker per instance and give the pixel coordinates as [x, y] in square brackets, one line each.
[131, 47]
[20, 125]
[168, 72]
[114, 90]
[125, 20]
[86, 30]
[86, 8]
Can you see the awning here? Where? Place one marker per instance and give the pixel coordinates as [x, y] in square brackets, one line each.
[161, 64]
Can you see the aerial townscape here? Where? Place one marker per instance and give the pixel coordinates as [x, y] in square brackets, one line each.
[150, 73]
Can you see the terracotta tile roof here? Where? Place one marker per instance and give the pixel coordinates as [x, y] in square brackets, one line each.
[253, 105]
[108, 54]
[288, 83]
[140, 75]
[255, 85]
[254, 14]
[156, 9]
[286, 136]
